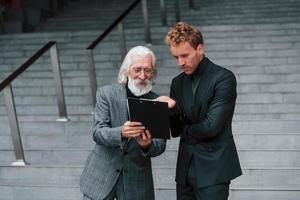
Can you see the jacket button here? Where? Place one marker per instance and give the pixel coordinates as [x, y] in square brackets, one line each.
[210, 149]
[117, 170]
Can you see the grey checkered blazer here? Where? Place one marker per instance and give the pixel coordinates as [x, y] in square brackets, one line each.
[112, 155]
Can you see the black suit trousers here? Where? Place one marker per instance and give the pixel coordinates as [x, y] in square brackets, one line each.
[191, 192]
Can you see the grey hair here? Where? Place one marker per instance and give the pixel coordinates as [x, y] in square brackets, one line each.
[135, 51]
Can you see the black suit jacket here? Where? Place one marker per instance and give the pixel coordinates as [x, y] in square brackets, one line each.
[203, 121]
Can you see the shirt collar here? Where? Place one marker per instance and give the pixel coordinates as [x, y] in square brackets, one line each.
[200, 68]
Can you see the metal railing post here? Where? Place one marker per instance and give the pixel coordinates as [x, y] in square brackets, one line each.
[58, 84]
[122, 40]
[146, 22]
[191, 5]
[163, 13]
[14, 127]
[92, 74]
[177, 10]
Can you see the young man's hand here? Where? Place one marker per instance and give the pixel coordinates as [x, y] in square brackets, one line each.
[171, 102]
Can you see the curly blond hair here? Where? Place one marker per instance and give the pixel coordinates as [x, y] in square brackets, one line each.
[183, 32]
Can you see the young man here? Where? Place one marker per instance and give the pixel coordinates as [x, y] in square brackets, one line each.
[205, 95]
[119, 165]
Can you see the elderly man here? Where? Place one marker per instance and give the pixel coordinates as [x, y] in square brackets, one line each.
[119, 165]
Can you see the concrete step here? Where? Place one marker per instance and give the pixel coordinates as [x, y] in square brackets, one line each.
[262, 116]
[209, 31]
[230, 13]
[249, 158]
[266, 178]
[25, 192]
[81, 109]
[289, 73]
[285, 72]
[49, 100]
[223, 18]
[288, 55]
[212, 35]
[267, 125]
[81, 115]
[111, 69]
[235, 7]
[245, 19]
[62, 156]
[49, 110]
[242, 193]
[263, 177]
[73, 193]
[81, 99]
[48, 157]
[220, 9]
[252, 141]
[49, 118]
[42, 126]
[166, 71]
[46, 91]
[264, 194]
[241, 53]
[291, 90]
[235, 59]
[264, 77]
[111, 77]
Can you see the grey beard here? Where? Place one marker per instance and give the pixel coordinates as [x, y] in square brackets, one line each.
[136, 90]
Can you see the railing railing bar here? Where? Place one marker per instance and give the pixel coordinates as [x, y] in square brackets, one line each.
[14, 126]
[122, 40]
[146, 22]
[177, 10]
[163, 13]
[191, 5]
[58, 84]
[92, 74]
[23, 67]
[113, 25]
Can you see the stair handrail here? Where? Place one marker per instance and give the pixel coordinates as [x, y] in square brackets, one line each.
[117, 22]
[5, 85]
[113, 25]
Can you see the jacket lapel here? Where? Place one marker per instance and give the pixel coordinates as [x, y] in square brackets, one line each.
[122, 98]
[122, 102]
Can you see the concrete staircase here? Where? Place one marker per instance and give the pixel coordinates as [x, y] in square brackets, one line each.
[258, 40]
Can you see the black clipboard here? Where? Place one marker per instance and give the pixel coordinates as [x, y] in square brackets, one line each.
[152, 114]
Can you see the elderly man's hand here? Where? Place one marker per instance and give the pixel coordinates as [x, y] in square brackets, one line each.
[144, 140]
[132, 129]
[171, 102]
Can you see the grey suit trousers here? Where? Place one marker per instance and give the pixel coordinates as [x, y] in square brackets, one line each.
[117, 191]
